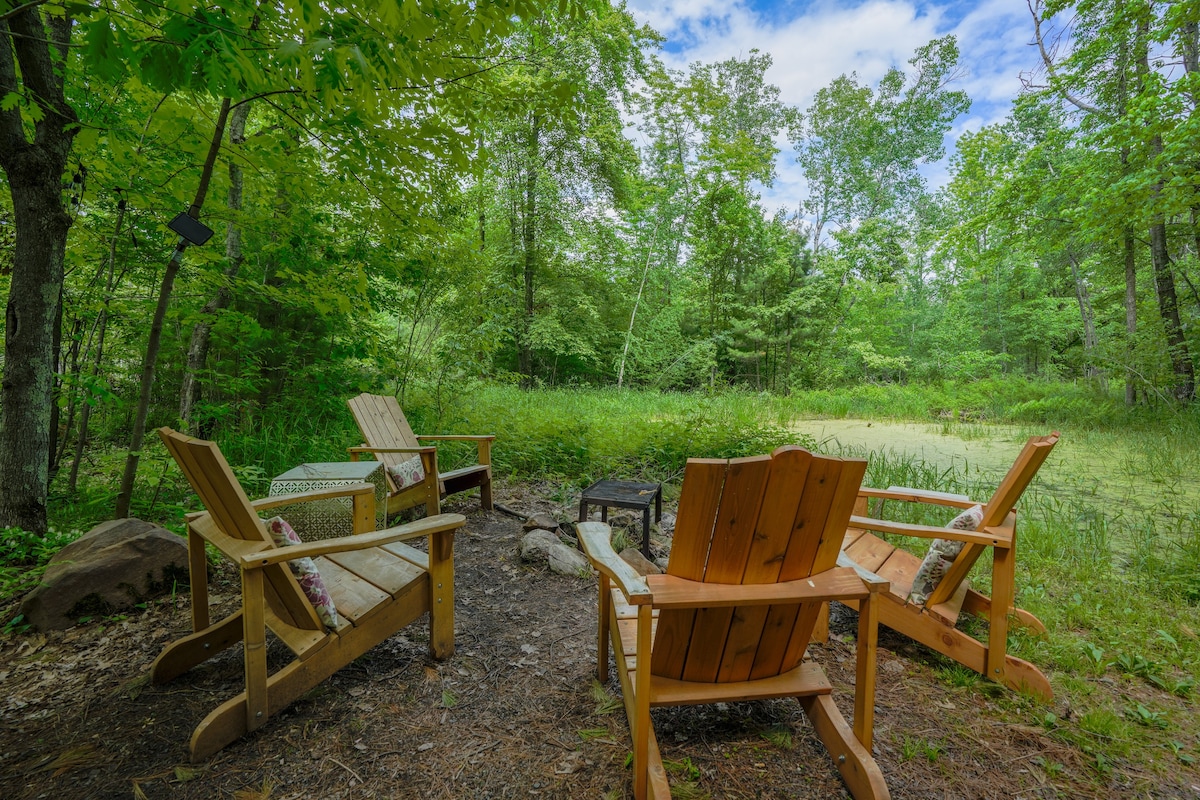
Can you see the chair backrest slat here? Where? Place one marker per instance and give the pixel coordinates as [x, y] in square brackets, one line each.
[1001, 504]
[741, 501]
[703, 480]
[1018, 478]
[822, 514]
[227, 504]
[752, 520]
[699, 499]
[737, 514]
[383, 424]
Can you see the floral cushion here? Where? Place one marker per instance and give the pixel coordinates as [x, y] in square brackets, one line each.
[407, 473]
[941, 555]
[305, 571]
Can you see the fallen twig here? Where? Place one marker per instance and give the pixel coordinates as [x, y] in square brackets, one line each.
[343, 766]
[506, 510]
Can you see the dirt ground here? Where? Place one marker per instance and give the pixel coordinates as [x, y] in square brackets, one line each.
[514, 713]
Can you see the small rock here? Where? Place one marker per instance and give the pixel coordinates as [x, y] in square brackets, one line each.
[570, 764]
[535, 546]
[623, 519]
[567, 533]
[661, 562]
[667, 523]
[634, 558]
[892, 667]
[540, 521]
[567, 561]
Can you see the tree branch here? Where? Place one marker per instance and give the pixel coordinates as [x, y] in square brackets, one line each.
[12, 12]
[1049, 62]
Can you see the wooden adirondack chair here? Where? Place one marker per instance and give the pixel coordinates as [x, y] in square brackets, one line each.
[753, 558]
[933, 622]
[378, 584]
[390, 439]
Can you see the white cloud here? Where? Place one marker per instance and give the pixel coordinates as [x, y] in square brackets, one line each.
[813, 43]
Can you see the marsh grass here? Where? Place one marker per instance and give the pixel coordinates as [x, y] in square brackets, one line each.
[584, 435]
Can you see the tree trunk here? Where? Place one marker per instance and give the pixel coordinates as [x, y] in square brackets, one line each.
[1160, 261]
[529, 243]
[34, 171]
[56, 361]
[636, 303]
[156, 325]
[197, 354]
[270, 314]
[1130, 317]
[74, 369]
[1168, 306]
[1085, 313]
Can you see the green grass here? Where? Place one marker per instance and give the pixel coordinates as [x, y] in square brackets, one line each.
[582, 435]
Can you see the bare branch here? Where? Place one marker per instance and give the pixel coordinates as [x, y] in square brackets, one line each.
[1049, 62]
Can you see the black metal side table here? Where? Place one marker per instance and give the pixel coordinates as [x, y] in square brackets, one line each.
[624, 494]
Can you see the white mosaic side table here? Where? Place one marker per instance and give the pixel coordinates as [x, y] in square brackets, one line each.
[326, 519]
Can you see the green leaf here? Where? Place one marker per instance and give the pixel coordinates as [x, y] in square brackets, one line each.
[9, 101]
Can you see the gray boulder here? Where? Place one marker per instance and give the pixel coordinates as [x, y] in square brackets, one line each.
[535, 545]
[111, 568]
[569, 561]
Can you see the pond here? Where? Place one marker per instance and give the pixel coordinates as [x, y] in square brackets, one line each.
[1118, 472]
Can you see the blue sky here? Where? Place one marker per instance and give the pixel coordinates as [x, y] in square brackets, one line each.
[814, 42]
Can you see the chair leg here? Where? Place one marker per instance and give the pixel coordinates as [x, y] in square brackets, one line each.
[649, 776]
[1016, 673]
[858, 769]
[639, 720]
[484, 455]
[864, 682]
[604, 605]
[441, 590]
[183, 654]
[981, 606]
[228, 722]
[485, 493]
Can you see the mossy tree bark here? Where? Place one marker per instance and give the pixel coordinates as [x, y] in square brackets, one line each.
[32, 49]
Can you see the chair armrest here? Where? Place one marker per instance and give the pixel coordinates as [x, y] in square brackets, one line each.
[594, 538]
[365, 449]
[842, 583]
[483, 444]
[400, 533]
[349, 490]
[904, 494]
[991, 536]
[868, 577]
